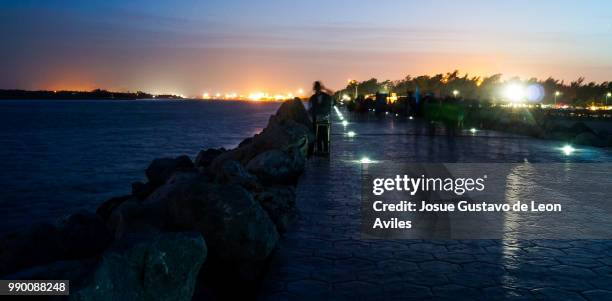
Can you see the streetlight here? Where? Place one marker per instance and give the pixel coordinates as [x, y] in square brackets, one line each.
[455, 93]
[515, 92]
[557, 93]
[608, 95]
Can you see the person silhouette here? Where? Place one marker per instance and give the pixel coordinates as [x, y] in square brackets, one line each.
[320, 110]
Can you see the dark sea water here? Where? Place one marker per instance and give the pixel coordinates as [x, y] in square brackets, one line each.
[57, 157]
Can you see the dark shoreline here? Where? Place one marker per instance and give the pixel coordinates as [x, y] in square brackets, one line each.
[69, 95]
[203, 225]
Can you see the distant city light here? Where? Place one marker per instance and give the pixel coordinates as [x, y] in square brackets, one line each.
[473, 130]
[301, 91]
[568, 149]
[256, 96]
[557, 93]
[455, 93]
[351, 134]
[410, 117]
[344, 122]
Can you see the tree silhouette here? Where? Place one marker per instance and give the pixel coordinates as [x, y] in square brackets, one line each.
[489, 88]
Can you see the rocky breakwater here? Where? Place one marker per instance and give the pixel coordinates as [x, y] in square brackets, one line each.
[206, 226]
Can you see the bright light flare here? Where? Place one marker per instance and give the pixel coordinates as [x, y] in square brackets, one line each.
[568, 149]
[534, 93]
[344, 122]
[351, 134]
[473, 130]
[515, 92]
[365, 160]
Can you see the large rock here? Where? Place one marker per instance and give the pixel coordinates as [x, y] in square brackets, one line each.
[287, 136]
[142, 190]
[150, 216]
[232, 172]
[160, 170]
[106, 208]
[164, 267]
[279, 203]
[205, 157]
[244, 142]
[235, 226]
[289, 129]
[277, 166]
[292, 110]
[133, 218]
[80, 235]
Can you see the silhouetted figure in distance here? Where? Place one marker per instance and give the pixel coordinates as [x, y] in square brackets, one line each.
[320, 111]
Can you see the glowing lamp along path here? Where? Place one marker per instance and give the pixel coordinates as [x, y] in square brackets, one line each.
[568, 149]
[365, 160]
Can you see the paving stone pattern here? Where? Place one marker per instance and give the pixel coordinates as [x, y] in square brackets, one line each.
[323, 256]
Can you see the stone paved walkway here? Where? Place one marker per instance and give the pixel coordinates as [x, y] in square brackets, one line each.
[324, 257]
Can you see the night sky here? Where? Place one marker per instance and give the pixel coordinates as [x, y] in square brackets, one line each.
[191, 47]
